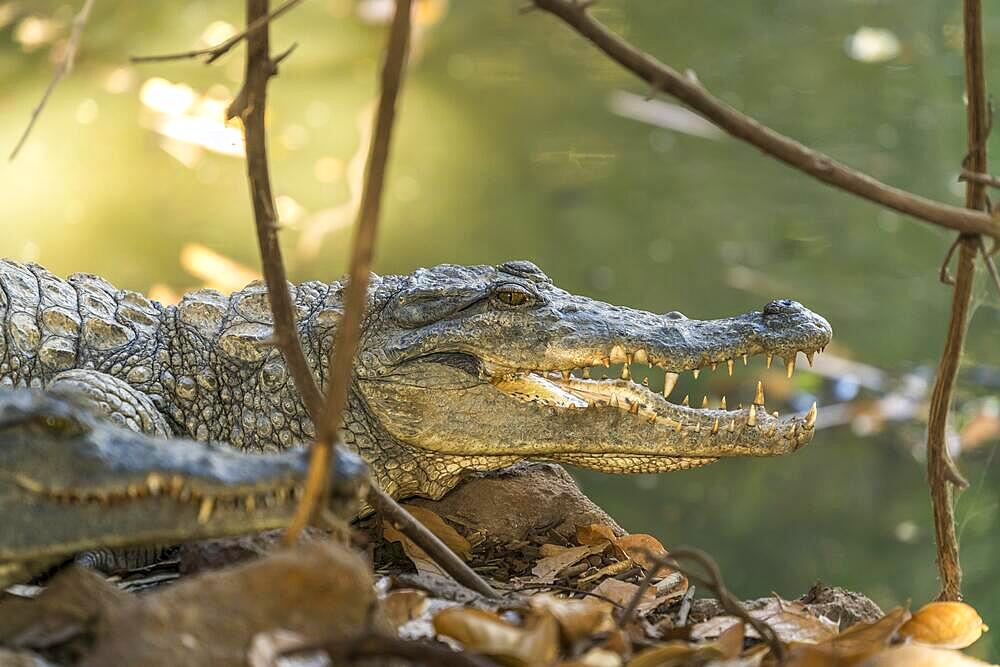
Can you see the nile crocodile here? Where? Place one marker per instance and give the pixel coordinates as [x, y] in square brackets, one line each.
[459, 368]
[69, 482]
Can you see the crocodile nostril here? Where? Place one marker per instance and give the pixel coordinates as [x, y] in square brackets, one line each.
[780, 306]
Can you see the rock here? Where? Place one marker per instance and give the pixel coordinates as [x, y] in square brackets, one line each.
[318, 591]
[840, 605]
[512, 504]
[205, 555]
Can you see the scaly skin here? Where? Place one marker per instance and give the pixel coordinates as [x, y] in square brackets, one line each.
[70, 482]
[459, 368]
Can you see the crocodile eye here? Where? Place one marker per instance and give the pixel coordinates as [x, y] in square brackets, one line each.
[512, 295]
[61, 425]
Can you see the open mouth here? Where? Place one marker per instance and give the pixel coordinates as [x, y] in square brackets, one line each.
[609, 382]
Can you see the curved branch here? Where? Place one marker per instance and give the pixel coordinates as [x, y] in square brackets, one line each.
[818, 165]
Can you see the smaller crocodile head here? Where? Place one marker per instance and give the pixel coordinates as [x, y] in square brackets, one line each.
[69, 482]
[495, 361]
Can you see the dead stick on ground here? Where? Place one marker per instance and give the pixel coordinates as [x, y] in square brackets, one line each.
[349, 651]
[941, 471]
[712, 580]
[818, 165]
[250, 105]
[62, 69]
[217, 51]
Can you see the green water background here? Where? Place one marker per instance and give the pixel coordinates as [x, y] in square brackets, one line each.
[506, 148]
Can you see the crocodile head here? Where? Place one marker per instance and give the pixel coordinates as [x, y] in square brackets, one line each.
[495, 361]
[69, 482]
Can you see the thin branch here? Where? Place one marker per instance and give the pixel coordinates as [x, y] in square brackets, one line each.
[818, 165]
[219, 50]
[356, 297]
[942, 475]
[983, 179]
[250, 105]
[712, 580]
[64, 67]
[439, 552]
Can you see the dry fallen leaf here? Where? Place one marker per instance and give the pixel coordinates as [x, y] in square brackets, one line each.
[622, 593]
[641, 550]
[535, 643]
[677, 654]
[915, 655]
[852, 646]
[945, 625]
[547, 569]
[404, 605]
[595, 533]
[441, 529]
[578, 619]
[420, 559]
[595, 657]
[789, 620]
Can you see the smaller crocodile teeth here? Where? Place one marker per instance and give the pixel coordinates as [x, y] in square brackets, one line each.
[811, 416]
[205, 510]
[669, 382]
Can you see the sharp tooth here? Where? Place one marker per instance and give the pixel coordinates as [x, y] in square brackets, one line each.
[696, 372]
[759, 398]
[617, 354]
[790, 367]
[722, 403]
[704, 401]
[809, 358]
[775, 414]
[729, 366]
[205, 511]
[697, 427]
[685, 401]
[250, 503]
[746, 360]
[155, 483]
[811, 416]
[645, 381]
[634, 408]
[626, 374]
[586, 373]
[606, 361]
[770, 358]
[614, 401]
[678, 427]
[641, 357]
[732, 426]
[752, 416]
[565, 376]
[669, 382]
[715, 426]
[714, 365]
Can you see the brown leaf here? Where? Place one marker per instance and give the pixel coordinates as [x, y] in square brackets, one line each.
[547, 550]
[677, 654]
[622, 592]
[419, 558]
[730, 642]
[536, 643]
[577, 619]
[640, 547]
[595, 533]
[852, 646]
[441, 529]
[789, 620]
[547, 569]
[595, 657]
[404, 605]
[945, 624]
[915, 655]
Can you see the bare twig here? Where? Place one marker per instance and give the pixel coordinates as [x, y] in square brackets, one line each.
[62, 69]
[983, 179]
[711, 578]
[818, 165]
[356, 297]
[390, 511]
[942, 475]
[350, 651]
[249, 105]
[219, 50]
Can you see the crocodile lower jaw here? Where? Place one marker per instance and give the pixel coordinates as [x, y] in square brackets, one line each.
[576, 390]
